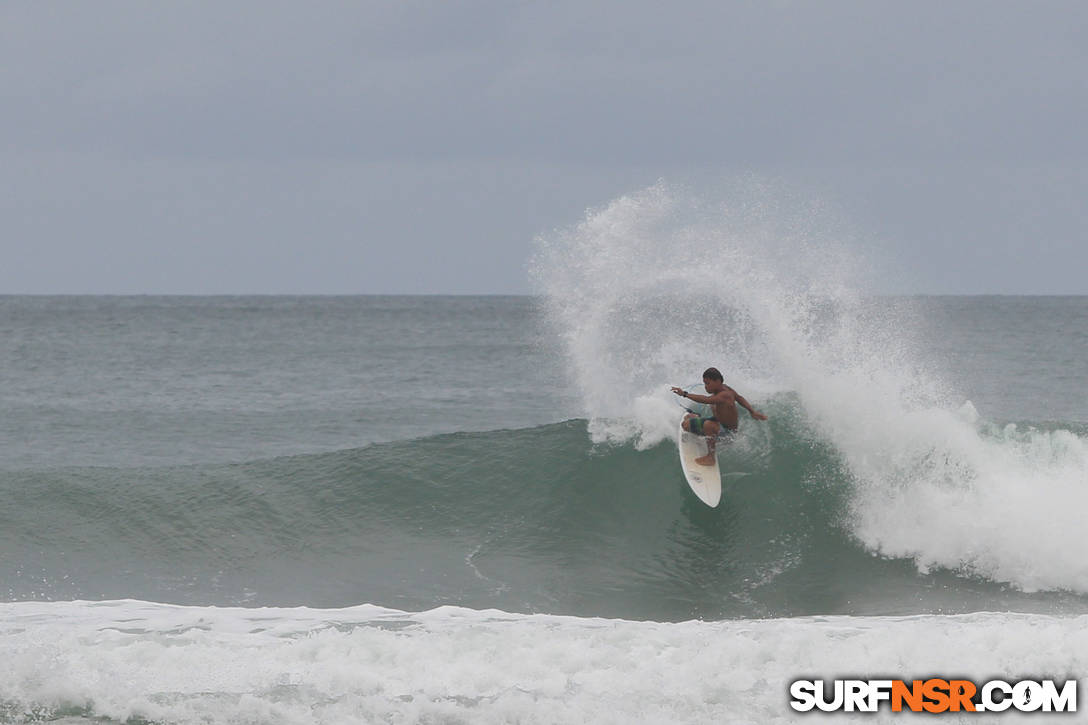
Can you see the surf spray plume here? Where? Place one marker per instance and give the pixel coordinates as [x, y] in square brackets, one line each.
[654, 287]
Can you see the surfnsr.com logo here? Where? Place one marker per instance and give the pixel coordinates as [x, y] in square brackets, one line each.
[935, 695]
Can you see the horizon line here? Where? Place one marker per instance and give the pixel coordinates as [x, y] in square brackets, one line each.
[475, 294]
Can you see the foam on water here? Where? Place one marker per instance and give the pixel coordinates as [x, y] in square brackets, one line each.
[656, 286]
[129, 659]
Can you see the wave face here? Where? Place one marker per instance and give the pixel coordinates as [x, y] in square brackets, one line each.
[533, 520]
[658, 282]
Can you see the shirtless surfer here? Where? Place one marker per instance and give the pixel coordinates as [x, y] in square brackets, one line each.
[723, 401]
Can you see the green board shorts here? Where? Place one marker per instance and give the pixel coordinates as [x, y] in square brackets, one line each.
[697, 424]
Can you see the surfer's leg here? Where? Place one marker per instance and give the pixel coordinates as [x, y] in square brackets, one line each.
[710, 428]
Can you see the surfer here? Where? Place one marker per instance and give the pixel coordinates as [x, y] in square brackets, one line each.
[723, 401]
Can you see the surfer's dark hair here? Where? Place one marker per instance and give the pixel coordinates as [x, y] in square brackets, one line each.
[713, 374]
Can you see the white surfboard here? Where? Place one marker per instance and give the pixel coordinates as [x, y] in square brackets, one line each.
[705, 481]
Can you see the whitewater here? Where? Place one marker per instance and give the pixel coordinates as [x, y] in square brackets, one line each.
[469, 509]
[126, 660]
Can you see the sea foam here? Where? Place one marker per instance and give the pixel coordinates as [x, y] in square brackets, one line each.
[130, 659]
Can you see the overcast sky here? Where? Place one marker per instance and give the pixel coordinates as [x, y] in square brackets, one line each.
[407, 147]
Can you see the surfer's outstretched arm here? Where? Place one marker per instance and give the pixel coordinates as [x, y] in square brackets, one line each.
[744, 404]
[707, 399]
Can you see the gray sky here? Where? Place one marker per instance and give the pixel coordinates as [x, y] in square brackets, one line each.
[282, 147]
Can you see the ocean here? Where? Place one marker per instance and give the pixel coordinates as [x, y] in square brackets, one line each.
[470, 509]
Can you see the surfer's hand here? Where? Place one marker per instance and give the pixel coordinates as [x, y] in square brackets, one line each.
[678, 391]
[758, 416]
